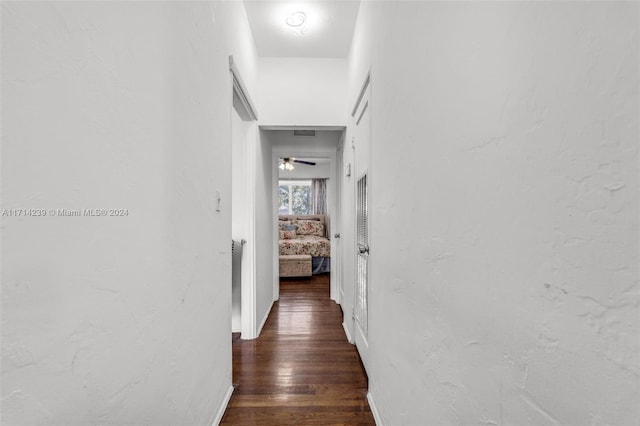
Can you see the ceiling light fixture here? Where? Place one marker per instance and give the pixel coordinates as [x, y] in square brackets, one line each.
[296, 22]
[296, 19]
[286, 165]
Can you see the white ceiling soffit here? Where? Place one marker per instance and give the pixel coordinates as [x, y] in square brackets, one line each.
[326, 32]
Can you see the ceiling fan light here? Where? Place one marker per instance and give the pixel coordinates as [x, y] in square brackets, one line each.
[286, 164]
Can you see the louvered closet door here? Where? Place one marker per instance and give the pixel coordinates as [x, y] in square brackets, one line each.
[362, 229]
[362, 172]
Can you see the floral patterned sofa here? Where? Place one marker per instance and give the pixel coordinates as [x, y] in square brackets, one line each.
[305, 235]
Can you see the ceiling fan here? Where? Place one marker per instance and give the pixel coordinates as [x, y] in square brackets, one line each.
[287, 163]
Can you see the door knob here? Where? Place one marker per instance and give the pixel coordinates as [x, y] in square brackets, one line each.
[336, 236]
[363, 249]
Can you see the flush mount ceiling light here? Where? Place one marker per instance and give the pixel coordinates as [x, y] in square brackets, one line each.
[299, 18]
[296, 19]
[296, 22]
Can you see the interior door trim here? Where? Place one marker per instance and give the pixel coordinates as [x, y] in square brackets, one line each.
[241, 90]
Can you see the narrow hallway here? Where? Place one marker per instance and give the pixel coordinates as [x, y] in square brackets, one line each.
[301, 370]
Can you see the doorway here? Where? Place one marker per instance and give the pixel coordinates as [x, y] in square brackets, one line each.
[319, 146]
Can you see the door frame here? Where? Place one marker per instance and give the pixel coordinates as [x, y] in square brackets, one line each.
[337, 220]
[241, 102]
[333, 202]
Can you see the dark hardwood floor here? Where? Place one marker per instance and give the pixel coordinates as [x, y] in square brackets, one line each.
[301, 370]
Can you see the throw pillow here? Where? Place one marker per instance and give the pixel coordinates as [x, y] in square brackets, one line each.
[310, 227]
[282, 224]
[287, 235]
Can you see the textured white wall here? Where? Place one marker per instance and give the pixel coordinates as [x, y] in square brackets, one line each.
[302, 91]
[504, 256]
[347, 228]
[117, 320]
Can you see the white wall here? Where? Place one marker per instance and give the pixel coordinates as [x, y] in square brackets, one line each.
[284, 141]
[302, 91]
[347, 217]
[504, 257]
[117, 320]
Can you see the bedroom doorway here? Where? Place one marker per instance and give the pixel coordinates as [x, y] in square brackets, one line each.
[305, 191]
[304, 243]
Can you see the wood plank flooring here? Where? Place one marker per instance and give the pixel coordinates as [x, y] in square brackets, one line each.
[301, 370]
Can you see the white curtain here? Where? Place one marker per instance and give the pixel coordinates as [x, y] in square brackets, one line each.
[318, 196]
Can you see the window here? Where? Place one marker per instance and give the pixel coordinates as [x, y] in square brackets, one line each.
[294, 197]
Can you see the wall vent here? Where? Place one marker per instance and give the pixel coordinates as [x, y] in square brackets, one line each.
[304, 133]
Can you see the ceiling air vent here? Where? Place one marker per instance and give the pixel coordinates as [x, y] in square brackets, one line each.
[304, 133]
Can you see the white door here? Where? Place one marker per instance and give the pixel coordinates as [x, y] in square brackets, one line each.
[336, 223]
[362, 144]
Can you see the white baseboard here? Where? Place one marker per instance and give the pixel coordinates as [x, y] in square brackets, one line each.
[264, 320]
[346, 331]
[374, 409]
[217, 416]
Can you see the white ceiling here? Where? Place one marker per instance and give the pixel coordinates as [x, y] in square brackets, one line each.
[327, 31]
